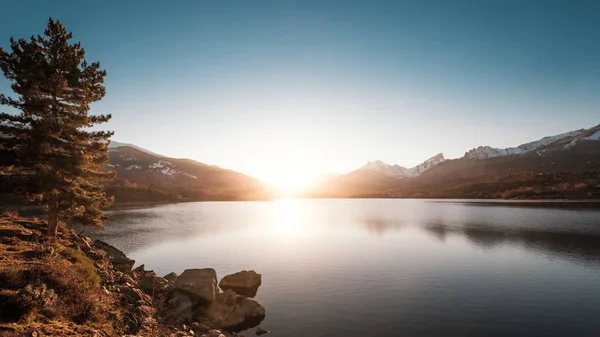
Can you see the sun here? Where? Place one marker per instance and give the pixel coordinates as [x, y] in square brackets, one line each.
[288, 182]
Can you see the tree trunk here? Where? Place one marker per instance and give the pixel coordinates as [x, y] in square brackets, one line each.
[52, 216]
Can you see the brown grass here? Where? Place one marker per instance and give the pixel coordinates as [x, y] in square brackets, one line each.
[57, 289]
[46, 283]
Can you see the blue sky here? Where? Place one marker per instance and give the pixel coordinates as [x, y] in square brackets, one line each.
[282, 89]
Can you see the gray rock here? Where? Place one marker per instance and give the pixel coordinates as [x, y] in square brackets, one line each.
[235, 313]
[243, 283]
[152, 284]
[202, 283]
[119, 260]
[181, 306]
[260, 331]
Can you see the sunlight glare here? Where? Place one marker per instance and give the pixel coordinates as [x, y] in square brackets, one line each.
[288, 217]
[288, 182]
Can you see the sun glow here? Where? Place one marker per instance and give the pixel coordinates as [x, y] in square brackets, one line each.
[288, 217]
[288, 182]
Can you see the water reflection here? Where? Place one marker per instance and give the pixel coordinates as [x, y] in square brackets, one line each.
[380, 226]
[549, 204]
[135, 229]
[582, 248]
[288, 217]
[418, 267]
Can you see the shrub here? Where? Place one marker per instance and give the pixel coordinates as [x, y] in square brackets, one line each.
[83, 263]
[58, 288]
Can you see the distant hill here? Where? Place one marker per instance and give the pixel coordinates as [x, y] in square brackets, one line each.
[561, 166]
[146, 176]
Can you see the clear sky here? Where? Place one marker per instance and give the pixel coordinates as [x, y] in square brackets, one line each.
[276, 88]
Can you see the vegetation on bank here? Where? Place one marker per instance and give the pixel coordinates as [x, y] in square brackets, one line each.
[49, 284]
[68, 286]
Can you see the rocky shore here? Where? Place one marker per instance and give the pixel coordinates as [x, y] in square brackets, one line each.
[69, 285]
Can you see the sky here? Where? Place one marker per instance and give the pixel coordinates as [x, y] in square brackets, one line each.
[288, 89]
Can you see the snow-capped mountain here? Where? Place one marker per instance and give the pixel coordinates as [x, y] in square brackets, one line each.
[562, 141]
[394, 171]
[593, 135]
[400, 172]
[426, 165]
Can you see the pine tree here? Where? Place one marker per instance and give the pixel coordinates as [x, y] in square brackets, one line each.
[47, 151]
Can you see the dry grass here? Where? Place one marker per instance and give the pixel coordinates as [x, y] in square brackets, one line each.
[83, 264]
[56, 289]
[45, 282]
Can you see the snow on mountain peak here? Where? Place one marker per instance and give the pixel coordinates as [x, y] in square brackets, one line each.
[394, 171]
[426, 165]
[484, 152]
[398, 172]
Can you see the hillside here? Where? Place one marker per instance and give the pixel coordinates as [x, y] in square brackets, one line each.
[556, 167]
[145, 176]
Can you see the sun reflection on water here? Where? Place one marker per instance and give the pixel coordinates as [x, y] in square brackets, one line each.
[288, 217]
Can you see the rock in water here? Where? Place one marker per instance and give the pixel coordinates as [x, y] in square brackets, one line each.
[235, 313]
[243, 283]
[260, 331]
[121, 262]
[200, 282]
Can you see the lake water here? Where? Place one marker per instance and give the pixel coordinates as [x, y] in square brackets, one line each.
[389, 267]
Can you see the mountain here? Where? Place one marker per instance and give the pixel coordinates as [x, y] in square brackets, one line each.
[560, 166]
[542, 145]
[373, 179]
[143, 175]
[115, 145]
[400, 172]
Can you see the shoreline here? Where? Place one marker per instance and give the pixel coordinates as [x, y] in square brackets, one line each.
[120, 300]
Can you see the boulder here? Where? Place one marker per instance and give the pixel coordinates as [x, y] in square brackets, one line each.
[139, 269]
[235, 313]
[152, 284]
[171, 277]
[243, 283]
[202, 283]
[119, 260]
[181, 307]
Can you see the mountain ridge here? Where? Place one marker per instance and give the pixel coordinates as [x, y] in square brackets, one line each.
[143, 175]
[400, 172]
[554, 167]
[486, 152]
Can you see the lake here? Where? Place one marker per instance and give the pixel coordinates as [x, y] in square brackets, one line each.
[387, 267]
